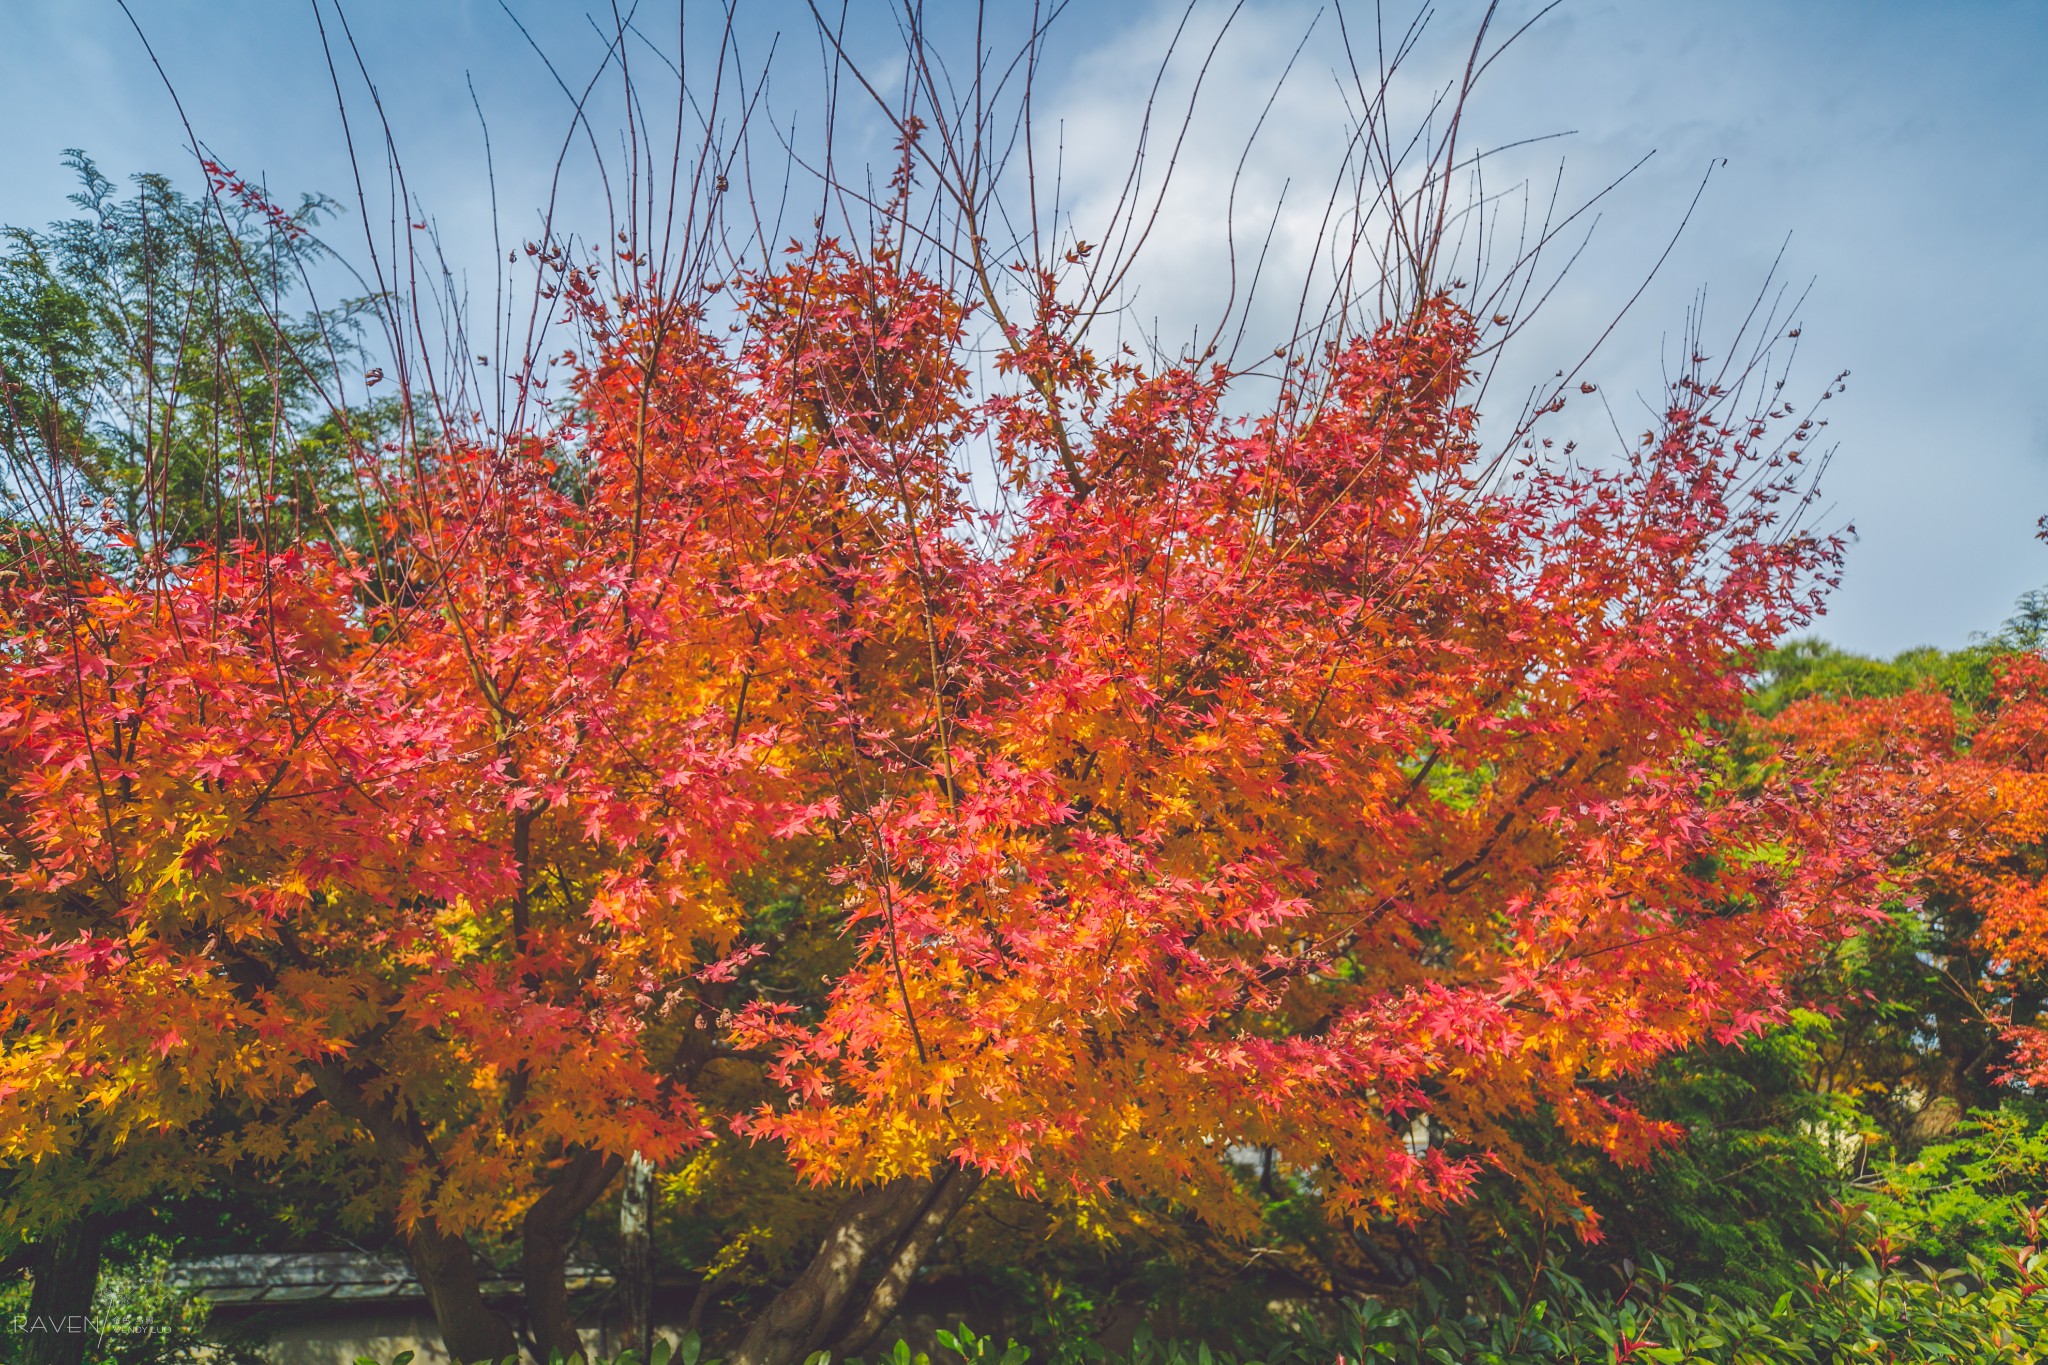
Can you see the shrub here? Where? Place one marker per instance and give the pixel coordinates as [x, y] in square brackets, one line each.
[138, 1317]
[1873, 1305]
[1970, 1193]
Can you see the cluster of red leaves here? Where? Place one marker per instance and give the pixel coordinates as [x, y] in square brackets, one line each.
[1269, 783]
[252, 199]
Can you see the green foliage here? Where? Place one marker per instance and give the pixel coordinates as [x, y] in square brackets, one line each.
[1733, 1205]
[1909, 1043]
[1062, 1316]
[154, 369]
[1813, 668]
[982, 1350]
[138, 1317]
[1972, 1192]
[2027, 628]
[1870, 1306]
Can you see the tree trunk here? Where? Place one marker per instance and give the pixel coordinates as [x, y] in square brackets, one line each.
[954, 1189]
[800, 1319]
[889, 1227]
[67, 1271]
[546, 1234]
[636, 1235]
[443, 1263]
[446, 1268]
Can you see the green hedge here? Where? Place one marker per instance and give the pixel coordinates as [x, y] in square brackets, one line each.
[1875, 1309]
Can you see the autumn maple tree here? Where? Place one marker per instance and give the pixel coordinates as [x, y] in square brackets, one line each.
[1951, 780]
[1159, 771]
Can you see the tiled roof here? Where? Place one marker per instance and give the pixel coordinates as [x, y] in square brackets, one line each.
[336, 1276]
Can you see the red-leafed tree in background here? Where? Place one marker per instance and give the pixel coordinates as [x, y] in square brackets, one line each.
[1163, 770]
[1954, 783]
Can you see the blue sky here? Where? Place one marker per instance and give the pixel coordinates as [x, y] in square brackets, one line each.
[1893, 152]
